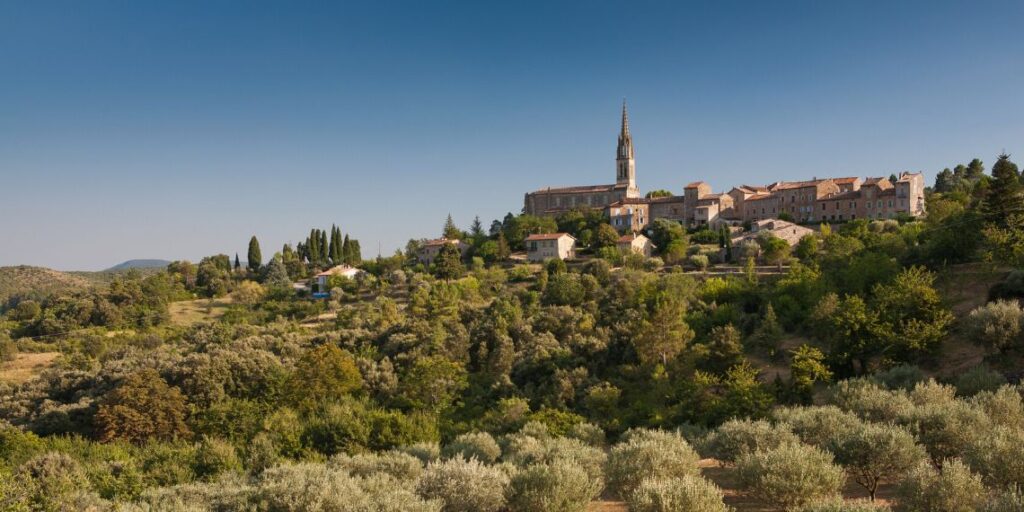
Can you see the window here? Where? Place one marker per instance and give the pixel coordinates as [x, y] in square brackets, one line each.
[533, 246]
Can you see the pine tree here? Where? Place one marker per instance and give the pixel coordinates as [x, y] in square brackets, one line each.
[238, 264]
[944, 181]
[255, 258]
[448, 263]
[476, 232]
[975, 170]
[451, 232]
[1004, 194]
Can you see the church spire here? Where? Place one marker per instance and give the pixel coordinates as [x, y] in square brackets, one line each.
[625, 168]
[625, 120]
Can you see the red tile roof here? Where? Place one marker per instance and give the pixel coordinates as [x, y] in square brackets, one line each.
[575, 189]
[846, 180]
[695, 184]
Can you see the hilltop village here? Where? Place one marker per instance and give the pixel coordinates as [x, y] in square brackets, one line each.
[816, 200]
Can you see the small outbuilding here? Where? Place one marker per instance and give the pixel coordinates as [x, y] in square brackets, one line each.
[636, 243]
[550, 245]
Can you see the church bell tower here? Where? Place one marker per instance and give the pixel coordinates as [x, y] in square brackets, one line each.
[625, 167]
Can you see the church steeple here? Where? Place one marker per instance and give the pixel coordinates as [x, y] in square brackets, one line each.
[625, 167]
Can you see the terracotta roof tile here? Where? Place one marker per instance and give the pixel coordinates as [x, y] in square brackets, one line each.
[548, 236]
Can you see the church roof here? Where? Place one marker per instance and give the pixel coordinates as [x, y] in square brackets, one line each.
[576, 189]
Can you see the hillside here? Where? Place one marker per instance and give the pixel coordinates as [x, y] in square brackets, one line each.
[38, 282]
[41, 282]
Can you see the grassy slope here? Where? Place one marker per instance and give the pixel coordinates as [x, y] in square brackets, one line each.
[40, 282]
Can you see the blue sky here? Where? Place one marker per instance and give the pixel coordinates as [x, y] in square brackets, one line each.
[176, 130]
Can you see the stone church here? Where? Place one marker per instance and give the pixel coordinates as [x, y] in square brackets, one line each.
[552, 201]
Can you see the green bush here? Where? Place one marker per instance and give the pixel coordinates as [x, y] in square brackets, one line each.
[817, 425]
[841, 505]
[997, 325]
[215, 456]
[1003, 406]
[401, 466]
[1009, 500]
[871, 402]
[904, 376]
[478, 445]
[425, 452]
[953, 489]
[676, 494]
[55, 481]
[588, 433]
[465, 485]
[790, 475]
[979, 378]
[998, 456]
[649, 454]
[317, 487]
[560, 486]
[738, 437]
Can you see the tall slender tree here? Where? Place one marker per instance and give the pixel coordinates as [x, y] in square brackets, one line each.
[346, 250]
[476, 232]
[324, 248]
[238, 264]
[355, 254]
[255, 258]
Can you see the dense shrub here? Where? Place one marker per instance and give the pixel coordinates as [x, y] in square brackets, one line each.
[676, 494]
[947, 429]
[869, 401]
[875, 452]
[55, 481]
[977, 379]
[997, 325]
[401, 466]
[465, 485]
[738, 437]
[649, 454]
[790, 475]
[953, 489]
[316, 487]
[588, 433]
[998, 456]
[840, 505]
[426, 452]
[144, 407]
[817, 425]
[1009, 500]
[478, 445]
[560, 486]
[904, 376]
[214, 457]
[1003, 406]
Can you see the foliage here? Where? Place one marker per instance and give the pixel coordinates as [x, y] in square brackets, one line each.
[474, 445]
[142, 408]
[997, 325]
[790, 475]
[649, 454]
[735, 438]
[952, 489]
[688, 493]
[560, 486]
[324, 373]
[875, 452]
[465, 486]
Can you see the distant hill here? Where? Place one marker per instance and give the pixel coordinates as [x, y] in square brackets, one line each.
[40, 282]
[130, 264]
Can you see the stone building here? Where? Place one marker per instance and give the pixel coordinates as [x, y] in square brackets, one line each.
[552, 201]
[551, 245]
[430, 248]
[629, 215]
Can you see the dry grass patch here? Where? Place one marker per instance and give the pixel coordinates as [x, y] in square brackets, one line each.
[188, 312]
[26, 366]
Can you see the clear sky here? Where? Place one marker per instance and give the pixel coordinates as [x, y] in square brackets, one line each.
[178, 129]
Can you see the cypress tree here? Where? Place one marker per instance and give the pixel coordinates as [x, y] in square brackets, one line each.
[355, 254]
[324, 248]
[313, 246]
[333, 249]
[238, 264]
[503, 251]
[255, 258]
[346, 250]
[1004, 194]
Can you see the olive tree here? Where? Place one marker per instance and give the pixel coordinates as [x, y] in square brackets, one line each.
[875, 452]
[953, 489]
[790, 475]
